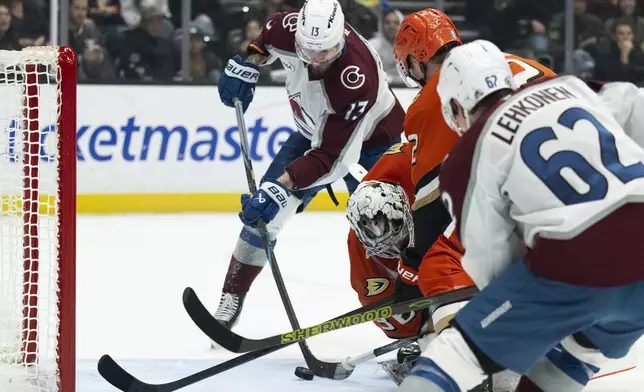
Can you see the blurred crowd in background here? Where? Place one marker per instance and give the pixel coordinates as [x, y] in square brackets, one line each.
[140, 40]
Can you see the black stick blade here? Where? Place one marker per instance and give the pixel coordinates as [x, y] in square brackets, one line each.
[113, 373]
[207, 323]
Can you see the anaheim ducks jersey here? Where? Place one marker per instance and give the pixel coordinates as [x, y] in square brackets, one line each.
[431, 137]
[431, 140]
[374, 278]
[551, 167]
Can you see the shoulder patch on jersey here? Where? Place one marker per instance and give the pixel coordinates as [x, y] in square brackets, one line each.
[352, 78]
[395, 149]
[290, 22]
[287, 66]
[376, 286]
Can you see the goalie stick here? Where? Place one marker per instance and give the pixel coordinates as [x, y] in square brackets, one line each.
[121, 379]
[236, 343]
[318, 367]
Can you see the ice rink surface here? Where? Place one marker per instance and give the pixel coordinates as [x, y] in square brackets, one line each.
[132, 270]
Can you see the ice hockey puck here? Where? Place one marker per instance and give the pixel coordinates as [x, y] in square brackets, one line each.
[304, 373]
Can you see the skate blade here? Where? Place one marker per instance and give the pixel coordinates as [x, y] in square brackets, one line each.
[215, 346]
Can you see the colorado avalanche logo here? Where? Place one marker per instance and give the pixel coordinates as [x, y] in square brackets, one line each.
[352, 78]
[290, 22]
[303, 121]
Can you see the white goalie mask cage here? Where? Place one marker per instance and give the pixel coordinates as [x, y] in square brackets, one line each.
[380, 215]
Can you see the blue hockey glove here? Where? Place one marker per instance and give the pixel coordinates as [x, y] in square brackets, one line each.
[269, 199]
[238, 81]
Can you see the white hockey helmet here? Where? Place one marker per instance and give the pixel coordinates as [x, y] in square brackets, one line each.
[319, 37]
[470, 73]
[380, 214]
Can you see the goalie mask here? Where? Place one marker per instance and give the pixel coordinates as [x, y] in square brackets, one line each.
[380, 215]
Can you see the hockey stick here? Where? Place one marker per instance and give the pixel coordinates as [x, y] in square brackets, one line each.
[319, 368]
[236, 343]
[121, 379]
[351, 362]
[344, 369]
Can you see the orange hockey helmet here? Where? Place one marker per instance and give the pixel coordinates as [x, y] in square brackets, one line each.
[420, 36]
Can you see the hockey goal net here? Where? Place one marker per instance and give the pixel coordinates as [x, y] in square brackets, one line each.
[37, 219]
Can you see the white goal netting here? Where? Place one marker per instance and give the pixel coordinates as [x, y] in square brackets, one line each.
[30, 220]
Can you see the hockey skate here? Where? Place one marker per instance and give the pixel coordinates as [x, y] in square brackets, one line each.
[400, 368]
[230, 307]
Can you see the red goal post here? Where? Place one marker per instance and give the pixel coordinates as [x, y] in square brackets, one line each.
[37, 219]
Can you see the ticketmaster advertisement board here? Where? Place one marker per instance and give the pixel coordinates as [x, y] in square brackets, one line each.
[171, 149]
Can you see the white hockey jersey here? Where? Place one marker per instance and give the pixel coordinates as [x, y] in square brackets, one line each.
[552, 169]
[351, 106]
[626, 102]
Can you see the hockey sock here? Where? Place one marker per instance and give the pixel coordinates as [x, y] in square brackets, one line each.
[246, 263]
[240, 277]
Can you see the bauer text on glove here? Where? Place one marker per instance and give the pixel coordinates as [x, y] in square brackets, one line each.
[269, 199]
[238, 81]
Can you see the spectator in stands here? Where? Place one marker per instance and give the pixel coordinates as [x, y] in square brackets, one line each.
[252, 29]
[583, 64]
[627, 9]
[623, 61]
[376, 7]
[29, 22]
[518, 24]
[132, 13]
[86, 40]
[8, 37]
[268, 8]
[81, 27]
[144, 54]
[221, 20]
[360, 18]
[383, 43]
[106, 12]
[604, 9]
[205, 66]
[589, 32]
[94, 63]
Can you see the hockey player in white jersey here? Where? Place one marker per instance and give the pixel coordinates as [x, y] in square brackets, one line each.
[344, 112]
[547, 193]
